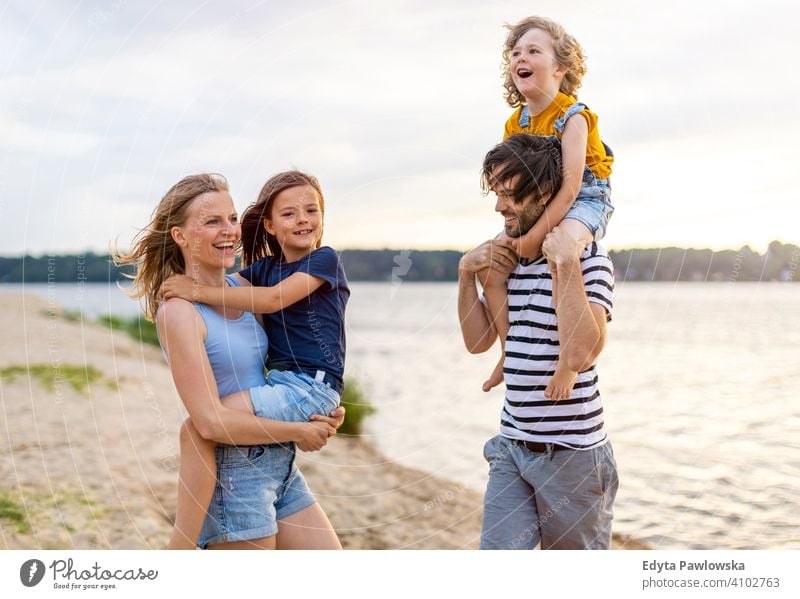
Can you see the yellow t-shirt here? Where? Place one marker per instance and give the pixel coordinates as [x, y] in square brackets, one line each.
[543, 124]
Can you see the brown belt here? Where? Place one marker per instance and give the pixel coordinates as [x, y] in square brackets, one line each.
[540, 447]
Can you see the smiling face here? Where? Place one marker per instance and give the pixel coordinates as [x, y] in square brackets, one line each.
[533, 67]
[296, 221]
[519, 216]
[209, 237]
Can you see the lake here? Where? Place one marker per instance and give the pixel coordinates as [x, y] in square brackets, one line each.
[700, 387]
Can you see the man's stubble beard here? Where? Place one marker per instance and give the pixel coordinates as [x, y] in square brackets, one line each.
[531, 212]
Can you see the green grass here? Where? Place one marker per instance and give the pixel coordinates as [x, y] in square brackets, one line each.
[137, 327]
[10, 510]
[357, 408]
[79, 377]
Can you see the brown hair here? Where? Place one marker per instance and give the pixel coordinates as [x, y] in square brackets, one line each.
[536, 162]
[154, 254]
[568, 54]
[257, 243]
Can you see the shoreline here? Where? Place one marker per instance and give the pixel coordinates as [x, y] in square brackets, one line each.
[91, 452]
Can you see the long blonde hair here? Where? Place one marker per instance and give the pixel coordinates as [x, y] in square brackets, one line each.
[154, 253]
[568, 54]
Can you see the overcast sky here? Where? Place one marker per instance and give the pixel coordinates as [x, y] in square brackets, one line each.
[104, 105]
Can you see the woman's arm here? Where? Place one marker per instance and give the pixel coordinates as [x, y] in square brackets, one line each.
[261, 300]
[573, 152]
[182, 333]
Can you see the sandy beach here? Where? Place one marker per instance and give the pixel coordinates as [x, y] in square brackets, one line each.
[89, 430]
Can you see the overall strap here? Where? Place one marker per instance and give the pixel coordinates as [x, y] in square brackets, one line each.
[572, 110]
[524, 117]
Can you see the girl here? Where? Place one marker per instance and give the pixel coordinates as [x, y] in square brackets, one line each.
[302, 291]
[543, 66]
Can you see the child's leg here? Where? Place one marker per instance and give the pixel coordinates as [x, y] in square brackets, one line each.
[563, 380]
[198, 478]
[495, 289]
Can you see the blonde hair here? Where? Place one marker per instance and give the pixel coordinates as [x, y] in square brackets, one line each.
[568, 54]
[154, 253]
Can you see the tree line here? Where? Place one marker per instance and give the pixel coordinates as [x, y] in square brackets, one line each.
[781, 262]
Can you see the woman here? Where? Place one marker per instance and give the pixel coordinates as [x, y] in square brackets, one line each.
[217, 351]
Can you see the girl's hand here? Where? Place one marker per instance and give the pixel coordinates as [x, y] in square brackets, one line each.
[505, 238]
[313, 436]
[335, 418]
[182, 286]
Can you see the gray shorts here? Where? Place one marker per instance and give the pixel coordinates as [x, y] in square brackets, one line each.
[563, 499]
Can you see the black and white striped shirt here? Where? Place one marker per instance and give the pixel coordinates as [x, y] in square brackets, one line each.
[532, 352]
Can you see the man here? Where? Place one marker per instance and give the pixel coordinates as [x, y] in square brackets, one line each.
[552, 475]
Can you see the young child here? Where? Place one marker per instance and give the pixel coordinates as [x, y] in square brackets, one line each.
[543, 67]
[301, 290]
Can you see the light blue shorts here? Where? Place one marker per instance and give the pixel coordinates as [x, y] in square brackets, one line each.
[259, 485]
[563, 499]
[593, 207]
[256, 487]
[292, 397]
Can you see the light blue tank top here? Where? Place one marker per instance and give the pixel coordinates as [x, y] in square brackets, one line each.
[236, 348]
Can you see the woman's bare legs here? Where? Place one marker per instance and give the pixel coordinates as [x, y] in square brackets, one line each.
[198, 477]
[307, 529]
[263, 543]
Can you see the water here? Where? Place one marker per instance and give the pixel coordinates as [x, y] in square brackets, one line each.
[700, 386]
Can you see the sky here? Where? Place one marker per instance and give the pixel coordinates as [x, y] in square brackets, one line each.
[392, 105]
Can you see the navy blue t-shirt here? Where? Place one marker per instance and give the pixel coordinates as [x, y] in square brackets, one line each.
[309, 334]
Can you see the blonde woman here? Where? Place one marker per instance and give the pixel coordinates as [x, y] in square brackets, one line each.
[261, 500]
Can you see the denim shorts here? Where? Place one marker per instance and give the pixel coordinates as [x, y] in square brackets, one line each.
[562, 499]
[593, 206]
[292, 397]
[256, 487]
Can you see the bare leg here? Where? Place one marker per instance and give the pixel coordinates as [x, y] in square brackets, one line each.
[307, 529]
[563, 380]
[198, 478]
[495, 289]
[264, 543]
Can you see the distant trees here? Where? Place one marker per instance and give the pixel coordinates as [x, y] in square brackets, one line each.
[781, 262]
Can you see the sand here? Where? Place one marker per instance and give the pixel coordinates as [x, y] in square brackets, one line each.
[96, 467]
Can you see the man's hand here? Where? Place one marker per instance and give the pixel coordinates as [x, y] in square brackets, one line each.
[497, 254]
[313, 436]
[182, 286]
[559, 247]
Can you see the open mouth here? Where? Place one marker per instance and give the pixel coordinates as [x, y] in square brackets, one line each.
[304, 232]
[524, 73]
[225, 246]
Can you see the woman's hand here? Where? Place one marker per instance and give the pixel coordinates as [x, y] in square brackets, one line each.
[313, 436]
[182, 286]
[335, 418]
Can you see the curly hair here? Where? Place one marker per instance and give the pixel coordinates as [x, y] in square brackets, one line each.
[568, 54]
[155, 254]
[257, 243]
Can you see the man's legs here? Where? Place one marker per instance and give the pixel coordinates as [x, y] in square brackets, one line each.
[510, 516]
[575, 493]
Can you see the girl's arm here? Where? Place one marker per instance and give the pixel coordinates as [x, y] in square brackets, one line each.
[573, 151]
[261, 300]
[182, 333]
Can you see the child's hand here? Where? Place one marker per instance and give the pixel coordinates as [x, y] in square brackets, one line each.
[335, 418]
[507, 239]
[182, 286]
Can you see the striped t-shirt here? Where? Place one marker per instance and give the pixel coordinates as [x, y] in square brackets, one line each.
[532, 353]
